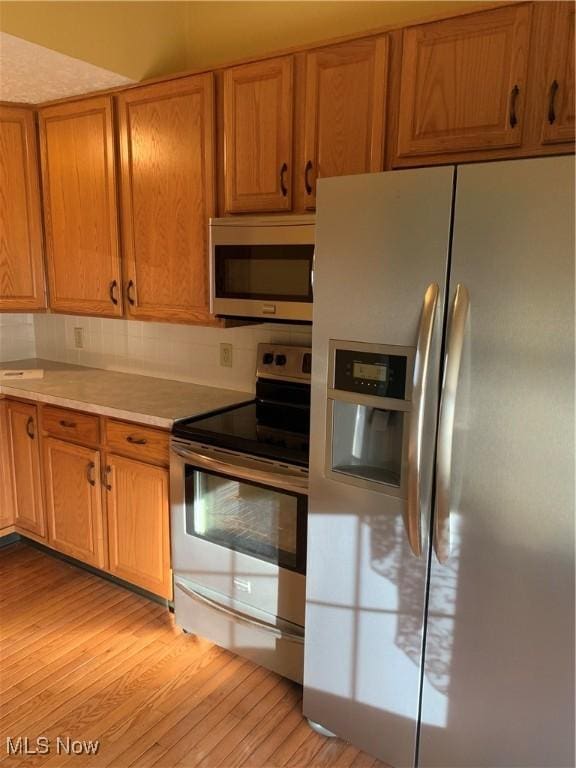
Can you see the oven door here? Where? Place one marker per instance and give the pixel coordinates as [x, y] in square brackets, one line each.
[239, 528]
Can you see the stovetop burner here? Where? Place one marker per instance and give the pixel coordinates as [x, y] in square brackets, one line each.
[276, 424]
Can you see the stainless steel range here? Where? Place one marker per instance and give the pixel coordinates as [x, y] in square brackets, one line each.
[239, 487]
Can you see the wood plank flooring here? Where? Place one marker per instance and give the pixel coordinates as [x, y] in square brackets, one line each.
[83, 658]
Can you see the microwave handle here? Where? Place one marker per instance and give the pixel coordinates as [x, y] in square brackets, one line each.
[233, 466]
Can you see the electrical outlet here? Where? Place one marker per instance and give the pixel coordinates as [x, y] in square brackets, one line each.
[226, 355]
[79, 338]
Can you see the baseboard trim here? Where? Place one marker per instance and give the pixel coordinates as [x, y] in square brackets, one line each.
[12, 538]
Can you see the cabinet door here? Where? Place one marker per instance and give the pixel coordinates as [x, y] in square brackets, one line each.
[24, 459]
[6, 497]
[74, 501]
[138, 524]
[344, 113]
[463, 82]
[79, 191]
[21, 268]
[258, 107]
[167, 172]
[558, 112]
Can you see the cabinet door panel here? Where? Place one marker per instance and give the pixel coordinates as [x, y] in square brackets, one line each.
[74, 501]
[138, 524]
[6, 495]
[24, 458]
[463, 82]
[558, 113]
[344, 117]
[167, 170]
[21, 267]
[258, 114]
[79, 191]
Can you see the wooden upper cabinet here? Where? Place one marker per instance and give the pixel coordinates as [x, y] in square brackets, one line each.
[74, 501]
[463, 82]
[344, 112]
[24, 459]
[21, 267]
[558, 110]
[167, 136]
[79, 191]
[258, 117]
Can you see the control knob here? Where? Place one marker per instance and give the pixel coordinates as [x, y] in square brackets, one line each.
[267, 358]
[280, 360]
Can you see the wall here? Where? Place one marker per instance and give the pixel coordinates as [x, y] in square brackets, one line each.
[181, 352]
[219, 32]
[135, 39]
[16, 337]
[146, 39]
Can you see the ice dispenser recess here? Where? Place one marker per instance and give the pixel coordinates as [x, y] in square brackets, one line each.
[369, 395]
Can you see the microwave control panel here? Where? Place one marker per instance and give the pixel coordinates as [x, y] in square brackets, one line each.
[370, 373]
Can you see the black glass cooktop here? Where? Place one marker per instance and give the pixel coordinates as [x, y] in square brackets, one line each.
[272, 430]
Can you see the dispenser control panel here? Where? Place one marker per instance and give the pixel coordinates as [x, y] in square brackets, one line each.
[370, 373]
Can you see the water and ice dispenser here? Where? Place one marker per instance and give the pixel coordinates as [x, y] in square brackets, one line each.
[369, 391]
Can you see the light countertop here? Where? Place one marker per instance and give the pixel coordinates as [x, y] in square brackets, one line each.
[141, 399]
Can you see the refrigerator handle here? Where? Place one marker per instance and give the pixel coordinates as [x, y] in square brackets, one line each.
[415, 503]
[454, 346]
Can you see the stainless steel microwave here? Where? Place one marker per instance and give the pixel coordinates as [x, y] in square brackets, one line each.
[262, 267]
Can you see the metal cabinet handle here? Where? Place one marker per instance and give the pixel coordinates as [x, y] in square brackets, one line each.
[30, 431]
[283, 172]
[129, 293]
[67, 424]
[307, 184]
[136, 440]
[90, 473]
[513, 99]
[418, 499]
[551, 102]
[278, 632]
[105, 472]
[112, 292]
[452, 361]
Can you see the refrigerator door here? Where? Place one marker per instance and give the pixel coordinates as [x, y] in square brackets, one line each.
[382, 241]
[498, 688]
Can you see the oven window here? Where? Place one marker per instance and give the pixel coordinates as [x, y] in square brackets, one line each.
[264, 272]
[245, 517]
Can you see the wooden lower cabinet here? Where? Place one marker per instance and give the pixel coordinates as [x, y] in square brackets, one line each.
[74, 501]
[138, 524]
[24, 462]
[6, 500]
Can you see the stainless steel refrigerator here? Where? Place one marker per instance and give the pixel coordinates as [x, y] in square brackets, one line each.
[440, 576]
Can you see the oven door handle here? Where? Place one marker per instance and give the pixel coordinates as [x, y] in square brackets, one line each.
[280, 634]
[285, 481]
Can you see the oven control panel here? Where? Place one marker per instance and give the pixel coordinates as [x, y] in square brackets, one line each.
[276, 361]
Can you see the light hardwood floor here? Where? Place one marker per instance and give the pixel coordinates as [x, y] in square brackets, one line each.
[85, 658]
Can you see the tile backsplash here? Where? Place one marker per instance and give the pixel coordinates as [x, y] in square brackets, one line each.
[16, 337]
[182, 352]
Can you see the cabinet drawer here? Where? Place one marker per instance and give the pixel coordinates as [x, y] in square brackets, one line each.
[71, 425]
[137, 442]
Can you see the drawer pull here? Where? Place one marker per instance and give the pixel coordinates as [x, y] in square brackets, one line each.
[67, 424]
[112, 292]
[130, 293]
[90, 473]
[136, 440]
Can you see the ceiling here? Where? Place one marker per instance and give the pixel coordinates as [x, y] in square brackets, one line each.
[31, 74]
